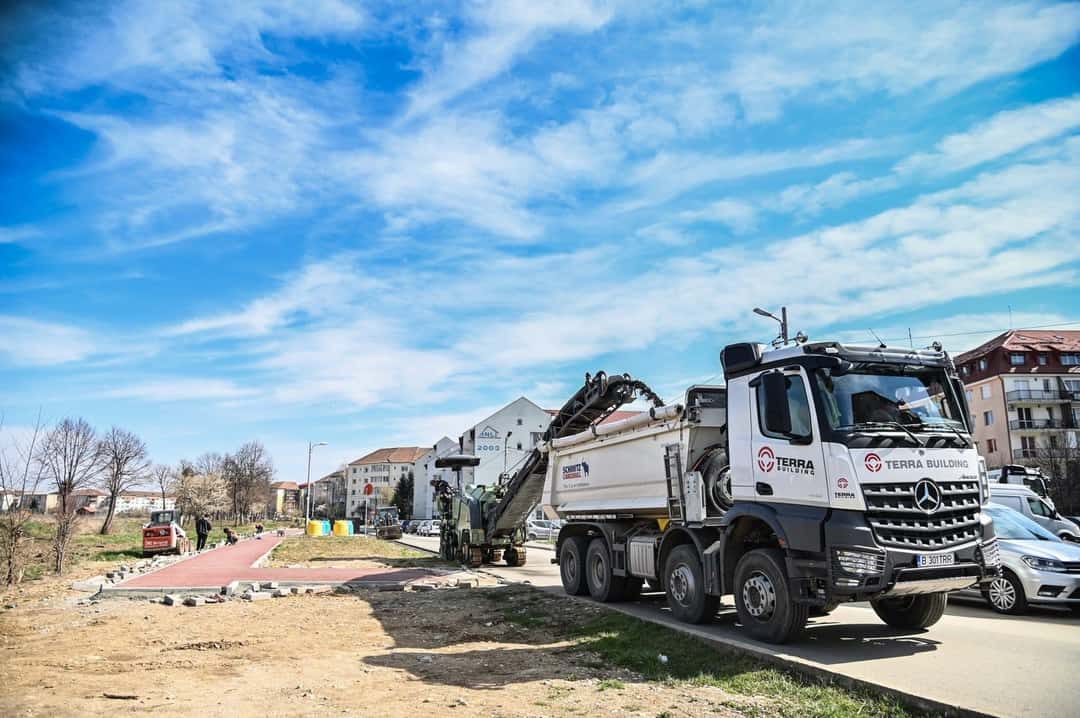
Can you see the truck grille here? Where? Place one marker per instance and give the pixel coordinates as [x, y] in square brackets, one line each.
[896, 521]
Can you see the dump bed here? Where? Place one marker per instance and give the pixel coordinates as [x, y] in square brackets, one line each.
[615, 468]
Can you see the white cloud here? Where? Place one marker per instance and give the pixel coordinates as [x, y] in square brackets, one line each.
[13, 234]
[739, 215]
[840, 50]
[317, 288]
[29, 342]
[835, 191]
[180, 389]
[1001, 135]
[502, 30]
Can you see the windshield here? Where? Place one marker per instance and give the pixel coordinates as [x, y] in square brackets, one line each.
[1010, 524]
[887, 393]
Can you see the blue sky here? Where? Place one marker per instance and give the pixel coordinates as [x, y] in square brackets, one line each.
[334, 221]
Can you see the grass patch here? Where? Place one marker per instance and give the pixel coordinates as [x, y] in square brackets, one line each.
[320, 549]
[621, 641]
[610, 684]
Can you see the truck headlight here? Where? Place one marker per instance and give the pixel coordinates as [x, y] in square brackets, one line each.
[859, 563]
[1044, 564]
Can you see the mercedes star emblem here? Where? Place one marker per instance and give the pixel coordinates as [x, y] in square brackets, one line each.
[927, 496]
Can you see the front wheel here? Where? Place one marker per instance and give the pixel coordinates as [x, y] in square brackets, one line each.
[763, 599]
[685, 582]
[1005, 594]
[911, 612]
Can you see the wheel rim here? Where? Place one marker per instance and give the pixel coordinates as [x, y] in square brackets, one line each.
[1002, 594]
[759, 596]
[599, 570]
[682, 584]
[570, 567]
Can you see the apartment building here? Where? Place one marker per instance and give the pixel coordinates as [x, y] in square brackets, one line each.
[423, 493]
[1023, 389]
[372, 478]
[502, 440]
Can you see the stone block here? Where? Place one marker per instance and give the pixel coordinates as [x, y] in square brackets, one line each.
[194, 601]
[230, 589]
[269, 585]
[90, 585]
[257, 596]
[171, 599]
[281, 592]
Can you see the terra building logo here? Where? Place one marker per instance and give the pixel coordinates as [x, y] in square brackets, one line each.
[766, 459]
[873, 462]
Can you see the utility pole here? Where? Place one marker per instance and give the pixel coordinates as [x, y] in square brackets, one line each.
[310, 490]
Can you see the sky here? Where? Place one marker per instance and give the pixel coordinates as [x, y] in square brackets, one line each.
[372, 224]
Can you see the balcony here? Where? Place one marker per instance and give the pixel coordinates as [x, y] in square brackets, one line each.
[1040, 396]
[1038, 424]
[1025, 453]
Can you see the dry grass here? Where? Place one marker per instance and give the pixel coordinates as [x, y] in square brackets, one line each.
[341, 550]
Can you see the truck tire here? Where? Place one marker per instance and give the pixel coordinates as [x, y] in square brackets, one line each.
[911, 612]
[572, 566]
[604, 586]
[763, 599]
[685, 581]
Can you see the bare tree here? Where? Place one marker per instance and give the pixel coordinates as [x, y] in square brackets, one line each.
[164, 478]
[1062, 463]
[124, 465]
[68, 457]
[248, 473]
[198, 494]
[20, 475]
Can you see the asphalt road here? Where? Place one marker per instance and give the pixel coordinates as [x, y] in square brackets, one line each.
[972, 658]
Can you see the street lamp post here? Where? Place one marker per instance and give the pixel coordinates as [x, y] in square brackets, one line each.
[310, 447]
[506, 439]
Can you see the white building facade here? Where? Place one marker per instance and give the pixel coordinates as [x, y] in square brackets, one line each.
[423, 494]
[502, 440]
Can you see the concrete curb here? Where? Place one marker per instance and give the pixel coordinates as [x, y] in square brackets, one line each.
[790, 663]
[148, 592]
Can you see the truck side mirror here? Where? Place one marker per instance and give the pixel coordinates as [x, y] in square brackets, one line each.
[777, 410]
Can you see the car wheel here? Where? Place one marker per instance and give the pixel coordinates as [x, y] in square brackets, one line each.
[532, 537]
[1005, 594]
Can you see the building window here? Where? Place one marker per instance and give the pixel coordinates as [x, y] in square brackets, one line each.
[984, 391]
[520, 422]
[988, 418]
[965, 370]
[970, 395]
[1044, 358]
[991, 446]
[1016, 359]
[1070, 359]
[982, 365]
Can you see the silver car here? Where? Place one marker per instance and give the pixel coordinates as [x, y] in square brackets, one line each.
[1036, 566]
[541, 529]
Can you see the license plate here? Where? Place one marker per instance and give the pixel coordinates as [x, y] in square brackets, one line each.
[936, 559]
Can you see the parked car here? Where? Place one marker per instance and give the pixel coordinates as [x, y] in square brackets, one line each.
[1036, 566]
[540, 529]
[406, 524]
[429, 528]
[1036, 508]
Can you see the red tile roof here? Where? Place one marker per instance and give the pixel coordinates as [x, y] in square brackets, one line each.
[1034, 340]
[392, 455]
[287, 485]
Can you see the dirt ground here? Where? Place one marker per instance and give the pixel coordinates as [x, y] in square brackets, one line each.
[374, 653]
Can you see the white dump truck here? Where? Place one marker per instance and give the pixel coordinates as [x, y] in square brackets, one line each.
[819, 473]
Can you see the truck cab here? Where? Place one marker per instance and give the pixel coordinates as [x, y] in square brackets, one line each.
[855, 467]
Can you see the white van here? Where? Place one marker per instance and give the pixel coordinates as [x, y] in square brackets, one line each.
[1036, 508]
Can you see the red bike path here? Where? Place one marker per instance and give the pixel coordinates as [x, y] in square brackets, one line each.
[221, 566]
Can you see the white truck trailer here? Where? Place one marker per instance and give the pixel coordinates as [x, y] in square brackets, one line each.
[820, 473]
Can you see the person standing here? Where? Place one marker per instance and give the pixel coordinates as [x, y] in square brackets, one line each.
[202, 529]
